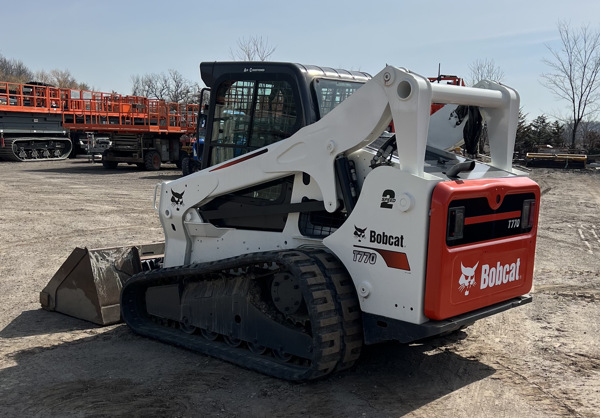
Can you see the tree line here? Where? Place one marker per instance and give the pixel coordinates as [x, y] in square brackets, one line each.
[573, 77]
[541, 134]
[15, 71]
[170, 86]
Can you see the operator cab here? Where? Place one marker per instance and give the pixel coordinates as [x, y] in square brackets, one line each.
[254, 104]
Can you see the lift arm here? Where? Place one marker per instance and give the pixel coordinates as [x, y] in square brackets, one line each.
[394, 93]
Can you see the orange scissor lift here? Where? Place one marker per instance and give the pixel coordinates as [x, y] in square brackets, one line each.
[42, 122]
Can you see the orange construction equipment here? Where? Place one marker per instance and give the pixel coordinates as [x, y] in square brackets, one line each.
[44, 122]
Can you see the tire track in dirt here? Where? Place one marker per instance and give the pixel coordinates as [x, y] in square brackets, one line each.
[569, 291]
[589, 236]
[538, 393]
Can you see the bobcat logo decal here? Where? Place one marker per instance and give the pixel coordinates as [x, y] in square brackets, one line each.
[177, 199]
[467, 278]
[359, 233]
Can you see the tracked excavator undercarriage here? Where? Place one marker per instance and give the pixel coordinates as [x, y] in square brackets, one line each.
[290, 314]
[35, 148]
[32, 136]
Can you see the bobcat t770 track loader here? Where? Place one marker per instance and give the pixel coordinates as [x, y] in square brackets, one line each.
[313, 230]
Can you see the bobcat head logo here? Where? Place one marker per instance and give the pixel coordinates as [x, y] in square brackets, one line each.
[467, 278]
[177, 198]
[359, 233]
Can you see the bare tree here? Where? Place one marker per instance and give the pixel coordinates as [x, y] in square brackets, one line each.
[171, 87]
[59, 78]
[180, 88]
[159, 86]
[155, 86]
[63, 79]
[485, 69]
[14, 71]
[254, 48]
[43, 77]
[139, 86]
[574, 72]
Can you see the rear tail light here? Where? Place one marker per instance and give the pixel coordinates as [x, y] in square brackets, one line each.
[528, 214]
[456, 223]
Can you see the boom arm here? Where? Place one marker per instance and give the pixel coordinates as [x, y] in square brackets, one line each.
[394, 93]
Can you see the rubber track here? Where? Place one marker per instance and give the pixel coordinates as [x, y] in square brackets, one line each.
[7, 153]
[328, 293]
[348, 306]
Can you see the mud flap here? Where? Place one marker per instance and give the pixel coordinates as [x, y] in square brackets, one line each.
[88, 284]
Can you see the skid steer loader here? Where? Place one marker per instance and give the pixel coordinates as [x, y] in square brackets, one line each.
[313, 230]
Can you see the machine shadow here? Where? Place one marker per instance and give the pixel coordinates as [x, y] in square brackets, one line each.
[396, 379]
[80, 166]
[163, 177]
[390, 379]
[39, 322]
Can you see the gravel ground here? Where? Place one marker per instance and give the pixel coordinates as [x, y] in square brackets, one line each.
[542, 359]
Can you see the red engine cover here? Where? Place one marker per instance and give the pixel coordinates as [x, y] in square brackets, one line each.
[494, 262]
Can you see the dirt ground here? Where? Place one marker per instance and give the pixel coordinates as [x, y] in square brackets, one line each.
[542, 359]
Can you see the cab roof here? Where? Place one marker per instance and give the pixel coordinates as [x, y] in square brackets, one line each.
[212, 71]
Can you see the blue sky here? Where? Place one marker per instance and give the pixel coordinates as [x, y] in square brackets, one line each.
[104, 43]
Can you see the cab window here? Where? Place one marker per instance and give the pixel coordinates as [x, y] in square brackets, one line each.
[251, 114]
[331, 93]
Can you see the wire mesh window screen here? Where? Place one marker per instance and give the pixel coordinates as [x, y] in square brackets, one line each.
[250, 115]
[231, 120]
[331, 93]
[275, 116]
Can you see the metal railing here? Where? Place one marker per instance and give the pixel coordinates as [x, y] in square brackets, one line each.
[90, 110]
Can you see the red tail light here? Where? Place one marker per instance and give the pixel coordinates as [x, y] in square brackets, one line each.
[528, 214]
